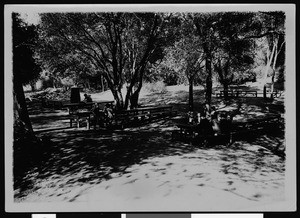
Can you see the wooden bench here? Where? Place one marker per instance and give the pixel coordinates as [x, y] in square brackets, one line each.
[73, 107]
[257, 124]
[237, 93]
[142, 114]
[78, 116]
[276, 93]
[52, 104]
[186, 130]
[190, 133]
[79, 111]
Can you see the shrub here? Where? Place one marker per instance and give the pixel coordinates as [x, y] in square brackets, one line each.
[156, 87]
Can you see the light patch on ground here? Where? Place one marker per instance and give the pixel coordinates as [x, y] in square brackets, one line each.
[205, 179]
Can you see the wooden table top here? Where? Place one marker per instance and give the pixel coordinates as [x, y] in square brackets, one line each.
[87, 103]
[146, 109]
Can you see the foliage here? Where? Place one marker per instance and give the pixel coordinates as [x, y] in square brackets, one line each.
[131, 48]
[156, 87]
[118, 46]
[272, 44]
[183, 60]
[233, 57]
[205, 26]
[25, 68]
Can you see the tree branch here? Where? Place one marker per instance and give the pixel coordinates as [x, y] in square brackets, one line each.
[261, 35]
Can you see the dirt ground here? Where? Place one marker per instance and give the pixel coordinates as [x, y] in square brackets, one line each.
[141, 168]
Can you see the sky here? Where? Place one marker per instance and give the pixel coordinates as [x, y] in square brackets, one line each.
[30, 18]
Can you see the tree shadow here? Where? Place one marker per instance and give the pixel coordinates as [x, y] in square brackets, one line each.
[72, 158]
[97, 154]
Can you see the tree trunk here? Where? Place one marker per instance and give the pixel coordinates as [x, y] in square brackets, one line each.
[225, 85]
[20, 107]
[265, 91]
[134, 99]
[191, 93]
[128, 96]
[272, 85]
[208, 78]
[274, 71]
[28, 150]
[269, 61]
[119, 99]
[136, 79]
[88, 84]
[102, 83]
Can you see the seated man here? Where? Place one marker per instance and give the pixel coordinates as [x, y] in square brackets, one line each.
[108, 113]
[96, 114]
[205, 126]
[87, 98]
[207, 111]
[225, 123]
[215, 120]
[226, 127]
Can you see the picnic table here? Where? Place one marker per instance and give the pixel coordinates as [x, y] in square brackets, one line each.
[191, 131]
[257, 124]
[200, 130]
[142, 114]
[186, 129]
[238, 93]
[83, 104]
[275, 93]
[82, 111]
[143, 111]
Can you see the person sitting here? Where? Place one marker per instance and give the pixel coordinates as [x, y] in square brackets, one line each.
[207, 110]
[108, 113]
[87, 98]
[215, 120]
[226, 127]
[205, 126]
[95, 112]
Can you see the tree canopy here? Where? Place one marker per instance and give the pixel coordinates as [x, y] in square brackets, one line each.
[25, 68]
[233, 56]
[127, 48]
[118, 46]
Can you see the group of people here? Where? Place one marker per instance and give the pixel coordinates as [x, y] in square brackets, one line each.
[102, 115]
[209, 121]
[213, 122]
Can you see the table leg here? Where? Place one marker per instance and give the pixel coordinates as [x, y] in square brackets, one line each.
[88, 123]
[77, 120]
[182, 135]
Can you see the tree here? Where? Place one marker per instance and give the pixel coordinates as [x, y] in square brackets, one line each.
[185, 58]
[205, 27]
[232, 56]
[25, 145]
[119, 46]
[25, 70]
[270, 27]
[275, 42]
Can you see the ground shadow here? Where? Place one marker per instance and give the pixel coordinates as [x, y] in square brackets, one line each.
[73, 158]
